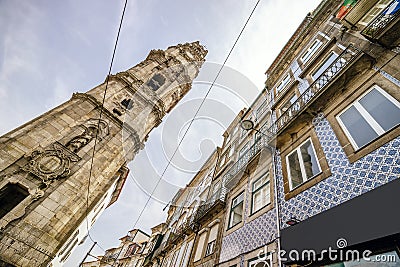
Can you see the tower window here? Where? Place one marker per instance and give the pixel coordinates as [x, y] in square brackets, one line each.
[156, 82]
[116, 111]
[10, 196]
[127, 103]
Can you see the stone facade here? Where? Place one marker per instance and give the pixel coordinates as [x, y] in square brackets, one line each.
[48, 161]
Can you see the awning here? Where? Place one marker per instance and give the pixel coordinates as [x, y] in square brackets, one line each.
[371, 216]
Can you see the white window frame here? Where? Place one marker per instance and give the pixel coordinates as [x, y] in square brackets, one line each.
[380, 6]
[234, 206]
[364, 113]
[283, 83]
[253, 192]
[302, 168]
[311, 50]
[210, 249]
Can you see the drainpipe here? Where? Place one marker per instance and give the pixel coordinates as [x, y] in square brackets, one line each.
[276, 200]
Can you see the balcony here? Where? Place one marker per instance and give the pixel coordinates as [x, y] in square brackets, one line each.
[348, 64]
[214, 204]
[230, 178]
[384, 29]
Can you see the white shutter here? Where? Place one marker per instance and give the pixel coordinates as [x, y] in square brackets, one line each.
[178, 260]
[187, 253]
[213, 233]
[200, 246]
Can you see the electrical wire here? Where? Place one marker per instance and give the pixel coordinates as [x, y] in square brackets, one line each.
[195, 115]
[98, 125]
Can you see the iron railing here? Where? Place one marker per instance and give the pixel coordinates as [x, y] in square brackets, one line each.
[378, 24]
[212, 201]
[259, 144]
[343, 60]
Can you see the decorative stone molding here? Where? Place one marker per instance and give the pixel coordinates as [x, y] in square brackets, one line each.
[51, 164]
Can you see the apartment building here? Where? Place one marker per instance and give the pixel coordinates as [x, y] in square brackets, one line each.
[313, 164]
[130, 252]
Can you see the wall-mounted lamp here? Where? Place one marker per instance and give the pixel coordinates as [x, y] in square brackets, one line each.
[247, 125]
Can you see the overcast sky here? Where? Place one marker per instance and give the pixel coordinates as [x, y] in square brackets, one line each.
[50, 49]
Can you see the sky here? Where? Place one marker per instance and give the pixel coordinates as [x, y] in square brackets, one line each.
[51, 49]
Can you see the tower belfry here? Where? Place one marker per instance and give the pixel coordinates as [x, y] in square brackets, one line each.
[45, 163]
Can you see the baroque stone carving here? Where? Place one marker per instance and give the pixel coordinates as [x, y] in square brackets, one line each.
[51, 164]
[91, 130]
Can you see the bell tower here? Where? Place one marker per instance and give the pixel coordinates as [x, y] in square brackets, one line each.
[45, 164]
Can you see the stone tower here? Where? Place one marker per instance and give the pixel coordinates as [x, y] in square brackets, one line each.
[45, 163]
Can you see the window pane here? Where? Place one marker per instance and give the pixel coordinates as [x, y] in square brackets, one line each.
[358, 127]
[261, 198]
[294, 169]
[261, 181]
[309, 159]
[236, 214]
[324, 66]
[381, 109]
[257, 200]
[307, 55]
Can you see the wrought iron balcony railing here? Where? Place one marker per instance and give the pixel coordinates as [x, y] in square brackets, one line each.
[211, 204]
[379, 24]
[312, 92]
[259, 144]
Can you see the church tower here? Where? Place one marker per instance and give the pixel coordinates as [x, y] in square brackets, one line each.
[45, 164]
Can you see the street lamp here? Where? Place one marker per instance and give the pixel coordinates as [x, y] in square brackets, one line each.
[247, 125]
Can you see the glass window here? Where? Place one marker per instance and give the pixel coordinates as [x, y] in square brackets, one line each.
[302, 164]
[374, 11]
[331, 58]
[260, 196]
[236, 213]
[285, 81]
[369, 117]
[310, 51]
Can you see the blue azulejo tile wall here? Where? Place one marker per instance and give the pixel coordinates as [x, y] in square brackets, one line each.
[255, 234]
[348, 180]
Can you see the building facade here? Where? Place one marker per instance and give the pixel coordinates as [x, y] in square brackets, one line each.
[129, 253]
[81, 232]
[51, 178]
[312, 166]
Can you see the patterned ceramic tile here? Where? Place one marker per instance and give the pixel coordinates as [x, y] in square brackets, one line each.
[348, 180]
[252, 235]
